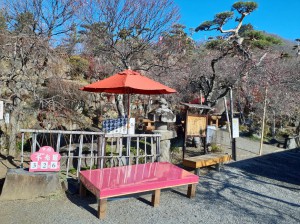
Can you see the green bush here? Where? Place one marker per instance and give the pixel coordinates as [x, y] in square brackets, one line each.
[216, 148]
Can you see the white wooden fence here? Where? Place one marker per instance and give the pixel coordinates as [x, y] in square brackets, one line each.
[89, 150]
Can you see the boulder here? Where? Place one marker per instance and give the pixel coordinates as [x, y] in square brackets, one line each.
[22, 184]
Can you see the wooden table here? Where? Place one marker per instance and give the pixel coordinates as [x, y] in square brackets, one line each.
[118, 181]
[197, 162]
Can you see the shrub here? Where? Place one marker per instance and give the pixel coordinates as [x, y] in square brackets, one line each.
[216, 148]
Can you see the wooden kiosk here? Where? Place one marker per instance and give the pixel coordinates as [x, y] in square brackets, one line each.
[196, 126]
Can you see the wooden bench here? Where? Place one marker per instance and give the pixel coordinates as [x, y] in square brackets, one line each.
[118, 181]
[206, 160]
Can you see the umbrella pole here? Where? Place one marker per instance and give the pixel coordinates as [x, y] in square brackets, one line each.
[128, 113]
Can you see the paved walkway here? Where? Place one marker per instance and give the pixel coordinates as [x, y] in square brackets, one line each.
[245, 147]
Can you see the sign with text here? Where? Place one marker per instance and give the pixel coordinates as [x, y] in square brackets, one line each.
[115, 126]
[45, 160]
[196, 125]
[235, 128]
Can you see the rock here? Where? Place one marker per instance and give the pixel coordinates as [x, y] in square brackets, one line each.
[292, 142]
[22, 184]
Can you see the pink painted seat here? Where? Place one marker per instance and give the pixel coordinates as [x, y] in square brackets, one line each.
[117, 181]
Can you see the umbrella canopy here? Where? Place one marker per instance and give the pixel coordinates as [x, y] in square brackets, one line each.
[128, 82]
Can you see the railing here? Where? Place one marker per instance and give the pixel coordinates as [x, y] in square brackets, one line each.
[89, 150]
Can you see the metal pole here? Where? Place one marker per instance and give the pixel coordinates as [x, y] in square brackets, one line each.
[185, 132]
[34, 142]
[233, 144]
[58, 142]
[227, 117]
[69, 154]
[92, 152]
[128, 113]
[22, 151]
[80, 156]
[274, 124]
[99, 144]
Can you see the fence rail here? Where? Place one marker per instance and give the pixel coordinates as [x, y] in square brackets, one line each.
[88, 150]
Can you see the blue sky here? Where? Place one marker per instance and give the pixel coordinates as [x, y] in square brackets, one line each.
[281, 17]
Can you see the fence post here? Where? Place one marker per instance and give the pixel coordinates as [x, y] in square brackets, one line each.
[99, 141]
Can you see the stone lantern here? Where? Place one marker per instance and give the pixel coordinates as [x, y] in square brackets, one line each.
[161, 117]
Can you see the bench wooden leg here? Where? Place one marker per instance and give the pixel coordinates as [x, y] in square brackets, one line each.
[82, 190]
[197, 171]
[155, 198]
[218, 167]
[191, 193]
[102, 207]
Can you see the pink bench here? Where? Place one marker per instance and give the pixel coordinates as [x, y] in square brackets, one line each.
[117, 181]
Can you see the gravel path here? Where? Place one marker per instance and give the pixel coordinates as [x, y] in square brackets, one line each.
[263, 189]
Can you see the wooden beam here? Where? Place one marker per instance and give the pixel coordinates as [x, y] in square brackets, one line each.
[102, 207]
[155, 198]
[82, 190]
[191, 193]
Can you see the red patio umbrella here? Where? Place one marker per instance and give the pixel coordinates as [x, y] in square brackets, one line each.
[128, 82]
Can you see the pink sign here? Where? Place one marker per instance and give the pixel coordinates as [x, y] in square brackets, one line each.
[45, 160]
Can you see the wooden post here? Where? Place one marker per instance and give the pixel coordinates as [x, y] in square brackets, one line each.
[82, 190]
[218, 167]
[263, 123]
[191, 193]
[155, 198]
[197, 171]
[102, 207]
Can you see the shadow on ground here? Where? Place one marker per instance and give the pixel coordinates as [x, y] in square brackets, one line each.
[264, 189]
[282, 166]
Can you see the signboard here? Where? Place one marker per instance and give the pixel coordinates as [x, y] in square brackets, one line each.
[235, 128]
[196, 125]
[115, 126]
[119, 126]
[1, 110]
[211, 130]
[45, 160]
